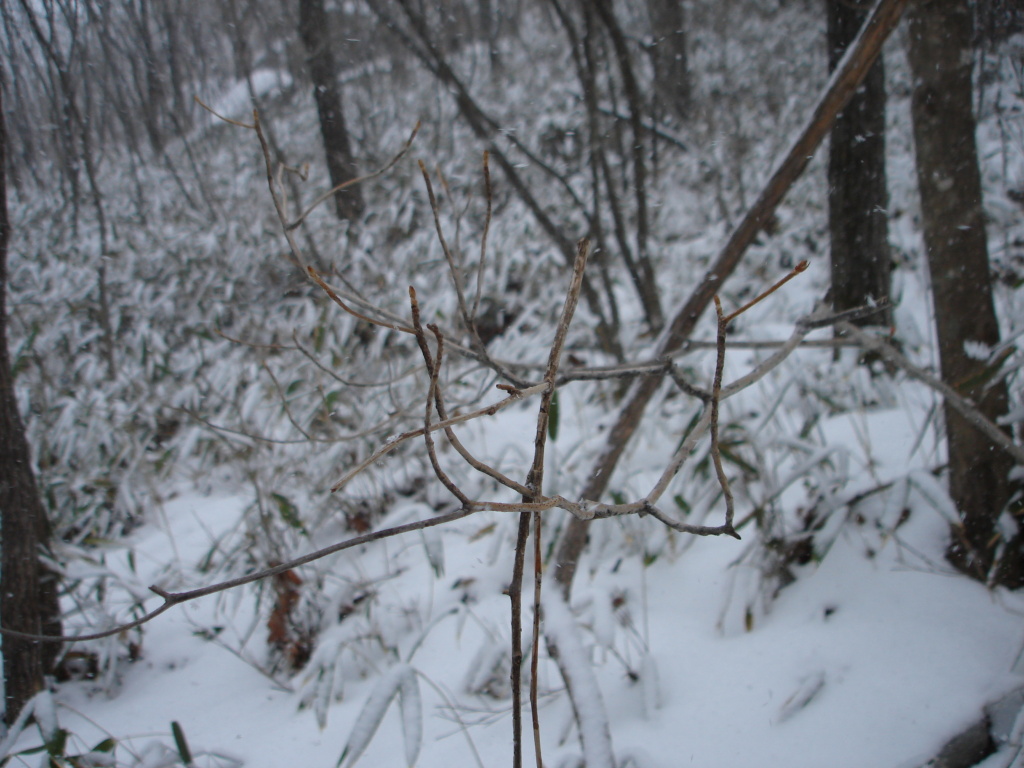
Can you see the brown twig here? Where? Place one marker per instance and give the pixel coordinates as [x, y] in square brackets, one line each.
[352, 182]
[765, 294]
[955, 400]
[453, 269]
[538, 577]
[434, 369]
[315, 277]
[385, 449]
[535, 483]
[716, 387]
[294, 254]
[219, 116]
[342, 380]
[515, 594]
[716, 394]
[172, 599]
[288, 411]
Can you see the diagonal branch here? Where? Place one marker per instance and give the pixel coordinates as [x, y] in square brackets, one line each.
[845, 80]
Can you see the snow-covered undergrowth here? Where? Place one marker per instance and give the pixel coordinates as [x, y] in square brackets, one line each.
[191, 399]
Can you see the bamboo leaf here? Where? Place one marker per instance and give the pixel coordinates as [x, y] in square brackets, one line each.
[411, 704]
[288, 511]
[395, 680]
[181, 743]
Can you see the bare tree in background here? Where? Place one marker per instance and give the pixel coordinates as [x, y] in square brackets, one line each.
[858, 198]
[668, 54]
[28, 600]
[315, 34]
[965, 319]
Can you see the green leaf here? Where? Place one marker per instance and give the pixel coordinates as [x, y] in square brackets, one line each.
[683, 504]
[107, 745]
[331, 399]
[289, 512]
[181, 743]
[553, 417]
[56, 745]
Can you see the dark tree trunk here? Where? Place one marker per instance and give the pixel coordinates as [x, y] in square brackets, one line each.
[858, 199]
[28, 591]
[956, 244]
[639, 264]
[668, 54]
[340, 164]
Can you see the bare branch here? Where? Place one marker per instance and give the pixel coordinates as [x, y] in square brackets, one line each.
[315, 276]
[955, 400]
[489, 410]
[535, 478]
[716, 396]
[219, 116]
[172, 599]
[352, 182]
[764, 294]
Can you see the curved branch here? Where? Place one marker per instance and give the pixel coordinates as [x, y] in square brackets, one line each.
[172, 599]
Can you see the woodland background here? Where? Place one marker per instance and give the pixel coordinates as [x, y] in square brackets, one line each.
[182, 395]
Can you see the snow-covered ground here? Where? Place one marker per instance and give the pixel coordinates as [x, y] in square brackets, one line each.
[868, 661]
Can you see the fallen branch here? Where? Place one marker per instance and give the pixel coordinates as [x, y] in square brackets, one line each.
[961, 404]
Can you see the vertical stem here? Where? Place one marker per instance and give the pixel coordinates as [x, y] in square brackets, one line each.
[515, 593]
[538, 576]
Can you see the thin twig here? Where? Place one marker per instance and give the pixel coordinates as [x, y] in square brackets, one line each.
[288, 411]
[294, 254]
[434, 369]
[315, 277]
[765, 294]
[489, 410]
[535, 478]
[535, 483]
[219, 116]
[342, 380]
[352, 182]
[231, 431]
[515, 594]
[172, 599]
[470, 459]
[538, 577]
[716, 395]
[953, 398]
[803, 327]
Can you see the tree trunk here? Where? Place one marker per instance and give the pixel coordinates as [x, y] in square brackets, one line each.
[668, 55]
[315, 36]
[956, 244]
[28, 597]
[858, 199]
